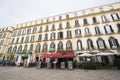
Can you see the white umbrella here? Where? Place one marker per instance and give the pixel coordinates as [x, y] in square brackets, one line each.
[104, 54]
[85, 54]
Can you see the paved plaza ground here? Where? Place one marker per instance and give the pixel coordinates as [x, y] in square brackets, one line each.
[21, 73]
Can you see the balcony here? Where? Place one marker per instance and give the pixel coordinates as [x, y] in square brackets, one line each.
[87, 24]
[67, 27]
[52, 29]
[88, 34]
[46, 30]
[68, 37]
[40, 31]
[52, 39]
[109, 33]
[94, 23]
[60, 28]
[105, 21]
[98, 34]
[78, 35]
[76, 26]
[45, 40]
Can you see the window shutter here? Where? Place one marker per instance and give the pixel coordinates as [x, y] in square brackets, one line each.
[110, 43]
[97, 44]
[104, 44]
[117, 16]
[112, 17]
[111, 28]
[105, 29]
[117, 42]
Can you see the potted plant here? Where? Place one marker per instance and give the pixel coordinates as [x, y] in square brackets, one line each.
[90, 65]
[117, 63]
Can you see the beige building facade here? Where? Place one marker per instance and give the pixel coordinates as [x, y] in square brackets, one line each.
[5, 37]
[89, 30]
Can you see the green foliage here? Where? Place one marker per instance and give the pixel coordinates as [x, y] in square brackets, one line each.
[117, 62]
[64, 52]
[1, 54]
[90, 65]
[92, 53]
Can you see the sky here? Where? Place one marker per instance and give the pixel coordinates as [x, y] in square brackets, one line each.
[14, 12]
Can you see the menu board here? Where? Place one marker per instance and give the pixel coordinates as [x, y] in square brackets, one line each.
[70, 65]
[62, 65]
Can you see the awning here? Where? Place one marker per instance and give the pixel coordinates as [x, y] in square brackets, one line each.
[69, 55]
[46, 56]
[57, 55]
[104, 54]
[85, 55]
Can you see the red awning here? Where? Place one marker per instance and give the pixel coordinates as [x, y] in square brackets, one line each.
[46, 56]
[69, 55]
[57, 55]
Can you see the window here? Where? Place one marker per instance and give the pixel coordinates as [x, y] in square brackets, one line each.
[67, 16]
[40, 29]
[60, 46]
[94, 20]
[17, 40]
[60, 26]
[69, 46]
[60, 17]
[52, 46]
[78, 32]
[22, 39]
[32, 38]
[79, 45]
[53, 27]
[27, 39]
[67, 24]
[77, 23]
[104, 18]
[1, 42]
[97, 30]
[15, 49]
[113, 42]
[19, 32]
[31, 47]
[60, 35]
[0, 36]
[115, 16]
[46, 28]
[45, 47]
[13, 40]
[101, 44]
[87, 32]
[34, 30]
[10, 49]
[69, 35]
[52, 36]
[85, 21]
[20, 49]
[28, 31]
[4, 35]
[118, 26]
[47, 20]
[24, 31]
[25, 48]
[40, 37]
[15, 33]
[90, 44]
[38, 47]
[108, 29]
[46, 37]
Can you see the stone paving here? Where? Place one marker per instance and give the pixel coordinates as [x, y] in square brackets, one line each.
[21, 73]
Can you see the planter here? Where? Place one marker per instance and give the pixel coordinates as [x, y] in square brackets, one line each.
[90, 66]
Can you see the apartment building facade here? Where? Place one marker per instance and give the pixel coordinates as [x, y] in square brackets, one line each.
[89, 30]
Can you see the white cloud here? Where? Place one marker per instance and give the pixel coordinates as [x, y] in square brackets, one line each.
[19, 11]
